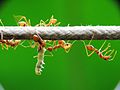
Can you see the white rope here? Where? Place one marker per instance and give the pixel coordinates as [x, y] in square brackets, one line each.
[64, 33]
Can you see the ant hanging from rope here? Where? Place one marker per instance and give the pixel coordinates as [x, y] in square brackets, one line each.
[108, 54]
[8, 43]
[61, 43]
[22, 21]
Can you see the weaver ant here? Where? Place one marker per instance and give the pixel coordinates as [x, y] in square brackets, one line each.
[8, 43]
[61, 44]
[107, 55]
[51, 22]
[22, 21]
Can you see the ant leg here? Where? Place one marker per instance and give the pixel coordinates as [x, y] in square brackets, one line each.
[1, 22]
[2, 45]
[57, 24]
[21, 44]
[24, 18]
[67, 51]
[91, 39]
[52, 17]
[68, 41]
[102, 46]
[34, 45]
[35, 56]
[18, 44]
[49, 44]
[1, 31]
[49, 54]
[106, 48]
[46, 21]
[54, 42]
[107, 52]
[113, 55]
[6, 47]
[42, 23]
[19, 18]
[29, 23]
[68, 25]
[87, 49]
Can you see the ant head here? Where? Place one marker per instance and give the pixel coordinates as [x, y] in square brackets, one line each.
[22, 23]
[67, 46]
[35, 38]
[90, 47]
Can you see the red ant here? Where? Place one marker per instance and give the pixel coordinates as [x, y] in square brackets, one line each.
[22, 21]
[52, 22]
[99, 52]
[61, 44]
[8, 42]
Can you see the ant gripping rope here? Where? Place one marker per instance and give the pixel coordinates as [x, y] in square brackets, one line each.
[106, 56]
[42, 47]
[8, 43]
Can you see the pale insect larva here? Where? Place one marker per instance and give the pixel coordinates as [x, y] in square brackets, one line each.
[40, 61]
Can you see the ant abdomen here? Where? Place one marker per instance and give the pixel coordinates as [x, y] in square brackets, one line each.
[106, 57]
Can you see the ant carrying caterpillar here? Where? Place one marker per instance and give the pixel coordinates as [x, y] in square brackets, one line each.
[23, 22]
[45, 45]
[42, 47]
[41, 52]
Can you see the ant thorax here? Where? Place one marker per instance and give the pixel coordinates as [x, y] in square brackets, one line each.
[67, 46]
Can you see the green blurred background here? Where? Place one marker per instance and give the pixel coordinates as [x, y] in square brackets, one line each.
[72, 71]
